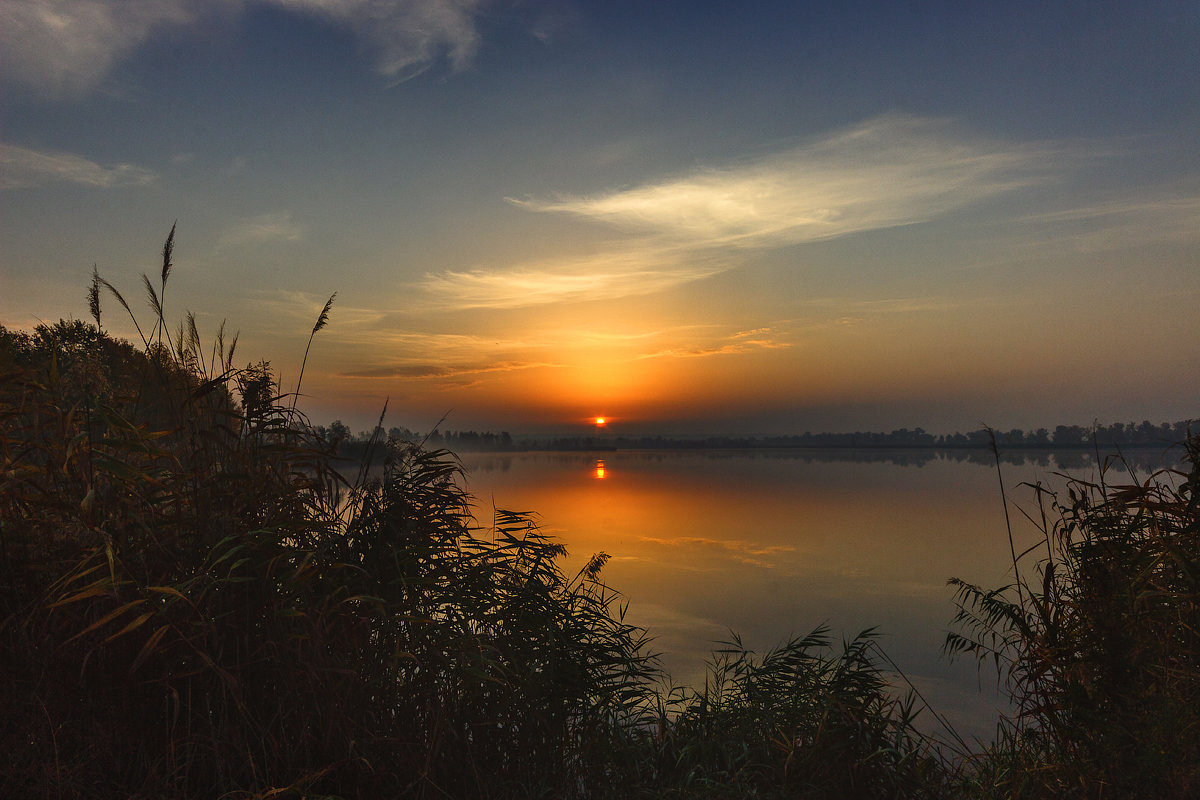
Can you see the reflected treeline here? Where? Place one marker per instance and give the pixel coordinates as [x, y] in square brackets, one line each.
[1141, 460]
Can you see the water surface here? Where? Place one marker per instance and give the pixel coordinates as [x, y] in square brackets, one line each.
[773, 543]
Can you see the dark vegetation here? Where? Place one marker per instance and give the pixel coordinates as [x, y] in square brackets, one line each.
[194, 602]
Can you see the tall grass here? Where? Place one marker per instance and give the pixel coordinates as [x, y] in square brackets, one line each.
[1097, 641]
[196, 602]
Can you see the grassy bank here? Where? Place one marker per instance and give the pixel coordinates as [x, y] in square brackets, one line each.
[195, 603]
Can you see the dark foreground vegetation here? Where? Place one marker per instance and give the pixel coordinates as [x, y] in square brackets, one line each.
[195, 603]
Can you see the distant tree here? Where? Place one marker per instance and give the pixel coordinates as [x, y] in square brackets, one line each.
[402, 434]
[1015, 437]
[338, 432]
[1069, 436]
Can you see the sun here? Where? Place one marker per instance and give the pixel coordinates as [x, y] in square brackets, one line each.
[600, 422]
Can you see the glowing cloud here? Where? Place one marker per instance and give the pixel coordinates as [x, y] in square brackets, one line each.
[887, 172]
[418, 369]
[602, 276]
[740, 342]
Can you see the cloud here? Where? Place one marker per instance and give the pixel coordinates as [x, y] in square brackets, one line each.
[889, 305]
[406, 37]
[1133, 222]
[24, 168]
[887, 172]
[601, 276]
[419, 369]
[67, 47]
[277, 226]
[734, 344]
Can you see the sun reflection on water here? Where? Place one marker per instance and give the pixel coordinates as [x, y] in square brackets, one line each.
[599, 471]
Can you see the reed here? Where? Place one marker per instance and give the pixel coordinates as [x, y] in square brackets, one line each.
[1097, 642]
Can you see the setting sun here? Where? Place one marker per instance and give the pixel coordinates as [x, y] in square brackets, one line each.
[600, 421]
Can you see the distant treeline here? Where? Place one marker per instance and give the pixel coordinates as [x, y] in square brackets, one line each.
[1062, 437]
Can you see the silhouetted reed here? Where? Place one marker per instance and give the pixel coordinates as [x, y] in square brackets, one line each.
[1097, 642]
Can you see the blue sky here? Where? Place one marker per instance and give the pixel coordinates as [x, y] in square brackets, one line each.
[686, 216]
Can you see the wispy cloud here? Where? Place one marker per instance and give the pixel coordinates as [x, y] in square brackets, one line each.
[887, 172]
[22, 168]
[1131, 222]
[601, 276]
[277, 226]
[887, 305]
[425, 369]
[406, 37]
[734, 344]
[66, 47]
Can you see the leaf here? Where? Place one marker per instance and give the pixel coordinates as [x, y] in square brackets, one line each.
[167, 590]
[148, 648]
[94, 590]
[107, 618]
[137, 623]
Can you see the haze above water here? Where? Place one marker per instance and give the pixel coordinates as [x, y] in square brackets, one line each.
[774, 543]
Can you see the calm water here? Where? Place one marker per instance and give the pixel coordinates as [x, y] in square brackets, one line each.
[774, 543]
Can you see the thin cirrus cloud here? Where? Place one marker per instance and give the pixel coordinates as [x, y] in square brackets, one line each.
[408, 37]
[268, 228]
[426, 369]
[600, 276]
[1131, 222]
[24, 168]
[734, 344]
[884, 173]
[887, 172]
[67, 47]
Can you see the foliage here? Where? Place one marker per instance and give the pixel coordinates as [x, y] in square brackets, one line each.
[799, 721]
[1099, 644]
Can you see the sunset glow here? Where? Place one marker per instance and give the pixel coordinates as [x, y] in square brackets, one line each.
[703, 219]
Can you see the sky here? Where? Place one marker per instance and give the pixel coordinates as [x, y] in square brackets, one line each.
[688, 217]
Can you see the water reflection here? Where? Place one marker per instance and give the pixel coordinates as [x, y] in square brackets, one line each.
[774, 543]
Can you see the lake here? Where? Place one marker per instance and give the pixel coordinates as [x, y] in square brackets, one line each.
[770, 543]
